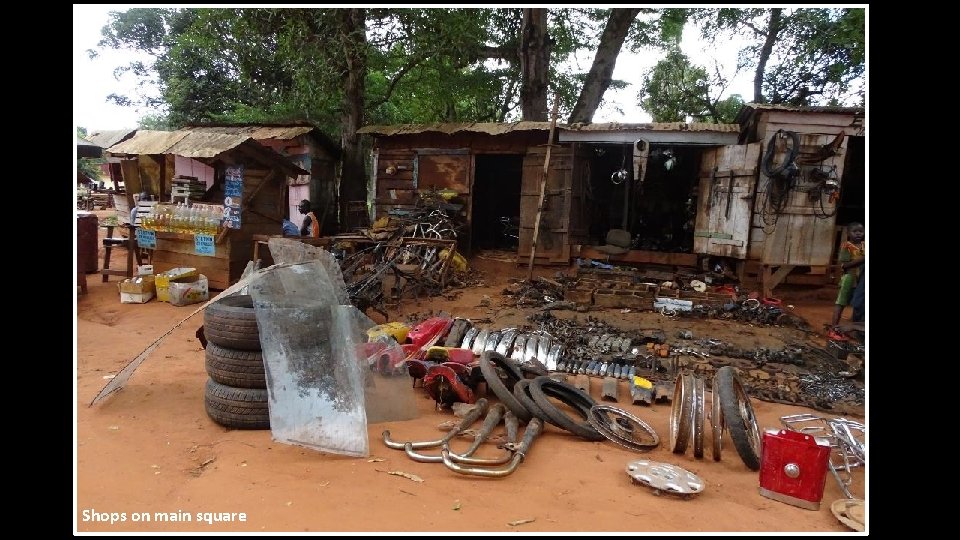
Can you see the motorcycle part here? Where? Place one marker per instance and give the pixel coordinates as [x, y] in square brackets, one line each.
[681, 414]
[698, 416]
[623, 428]
[542, 387]
[519, 454]
[468, 419]
[489, 362]
[738, 416]
[494, 415]
[665, 478]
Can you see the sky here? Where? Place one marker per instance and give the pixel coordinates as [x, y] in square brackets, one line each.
[94, 79]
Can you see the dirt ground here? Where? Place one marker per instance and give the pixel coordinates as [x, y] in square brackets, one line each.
[150, 451]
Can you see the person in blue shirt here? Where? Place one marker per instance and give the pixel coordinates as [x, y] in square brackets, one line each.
[290, 228]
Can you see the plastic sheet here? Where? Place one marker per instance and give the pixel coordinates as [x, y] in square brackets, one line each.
[311, 352]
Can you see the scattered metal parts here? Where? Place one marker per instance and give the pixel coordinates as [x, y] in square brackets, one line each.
[534, 428]
[506, 341]
[681, 414]
[609, 389]
[494, 415]
[698, 416]
[623, 428]
[468, 419]
[582, 382]
[519, 348]
[716, 422]
[845, 437]
[665, 478]
[738, 416]
[480, 342]
[468, 339]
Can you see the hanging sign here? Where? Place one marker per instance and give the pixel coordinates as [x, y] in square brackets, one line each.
[203, 244]
[146, 239]
[232, 194]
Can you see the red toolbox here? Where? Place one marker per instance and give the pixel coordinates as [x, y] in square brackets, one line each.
[793, 468]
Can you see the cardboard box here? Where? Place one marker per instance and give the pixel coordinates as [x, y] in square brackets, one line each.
[188, 290]
[163, 280]
[138, 290]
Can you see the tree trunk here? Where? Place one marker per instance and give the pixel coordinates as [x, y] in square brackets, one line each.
[601, 72]
[534, 64]
[773, 28]
[353, 36]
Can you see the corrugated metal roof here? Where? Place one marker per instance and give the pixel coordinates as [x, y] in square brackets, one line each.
[804, 108]
[490, 128]
[205, 145]
[148, 142]
[108, 138]
[654, 126]
[200, 144]
[257, 132]
[495, 128]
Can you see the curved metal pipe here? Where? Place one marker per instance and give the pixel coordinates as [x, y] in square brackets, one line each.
[533, 430]
[468, 419]
[492, 420]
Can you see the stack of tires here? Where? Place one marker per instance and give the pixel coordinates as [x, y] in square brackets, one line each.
[236, 392]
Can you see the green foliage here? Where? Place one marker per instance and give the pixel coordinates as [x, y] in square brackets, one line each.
[676, 90]
[817, 55]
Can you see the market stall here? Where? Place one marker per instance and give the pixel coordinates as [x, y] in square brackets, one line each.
[212, 229]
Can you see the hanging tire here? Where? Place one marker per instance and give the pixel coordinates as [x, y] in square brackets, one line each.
[240, 408]
[236, 368]
[738, 416]
[232, 323]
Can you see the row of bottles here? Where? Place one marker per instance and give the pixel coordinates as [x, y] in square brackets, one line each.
[181, 218]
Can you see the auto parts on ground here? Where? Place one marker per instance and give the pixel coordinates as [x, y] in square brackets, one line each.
[699, 390]
[851, 512]
[512, 425]
[491, 366]
[476, 412]
[846, 439]
[681, 413]
[665, 478]
[534, 428]
[716, 423]
[543, 388]
[794, 468]
[610, 389]
[494, 415]
[623, 428]
[738, 416]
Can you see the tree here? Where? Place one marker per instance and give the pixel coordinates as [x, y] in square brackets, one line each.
[601, 71]
[800, 56]
[676, 89]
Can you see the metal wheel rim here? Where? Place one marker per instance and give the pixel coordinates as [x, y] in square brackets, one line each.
[749, 418]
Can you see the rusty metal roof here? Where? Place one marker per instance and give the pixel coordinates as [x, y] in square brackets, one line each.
[108, 138]
[804, 108]
[200, 144]
[255, 131]
[490, 128]
[497, 128]
[654, 126]
[148, 142]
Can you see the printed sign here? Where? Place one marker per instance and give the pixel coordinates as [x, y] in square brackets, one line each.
[233, 192]
[203, 244]
[146, 239]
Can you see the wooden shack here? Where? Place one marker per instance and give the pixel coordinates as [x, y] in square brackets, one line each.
[796, 224]
[148, 162]
[308, 148]
[690, 194]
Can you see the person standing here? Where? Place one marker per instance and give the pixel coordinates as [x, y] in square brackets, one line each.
[310, 227]
[852, 257]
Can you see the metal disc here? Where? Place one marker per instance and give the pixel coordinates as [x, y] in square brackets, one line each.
[665, 477]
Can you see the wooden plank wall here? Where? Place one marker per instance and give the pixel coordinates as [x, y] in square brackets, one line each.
[553, 244]
[800, 236]
[400, 153]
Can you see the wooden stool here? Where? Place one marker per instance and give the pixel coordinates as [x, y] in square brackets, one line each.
[110, 242]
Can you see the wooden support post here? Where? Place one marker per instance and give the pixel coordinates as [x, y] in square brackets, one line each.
[770, 279]
[543, 186]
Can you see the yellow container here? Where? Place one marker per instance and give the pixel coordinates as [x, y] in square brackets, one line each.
[396, 330]
[163, 280]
